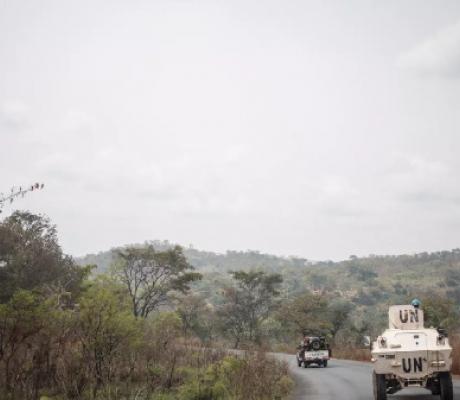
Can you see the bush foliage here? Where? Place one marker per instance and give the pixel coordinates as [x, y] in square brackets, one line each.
[67, 335]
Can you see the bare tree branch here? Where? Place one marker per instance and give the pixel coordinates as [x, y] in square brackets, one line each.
[16, 193]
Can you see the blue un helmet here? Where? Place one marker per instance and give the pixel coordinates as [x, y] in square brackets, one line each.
[416, 303]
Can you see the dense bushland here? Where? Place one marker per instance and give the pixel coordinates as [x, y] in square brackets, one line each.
[65, 334]
[101, 351]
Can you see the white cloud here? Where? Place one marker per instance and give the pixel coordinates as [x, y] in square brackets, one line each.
[439, 55]
[14, 116]
[337, 197]
[416, 179]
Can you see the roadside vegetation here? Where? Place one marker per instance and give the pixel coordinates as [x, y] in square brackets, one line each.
[66, 333]
[149, 325]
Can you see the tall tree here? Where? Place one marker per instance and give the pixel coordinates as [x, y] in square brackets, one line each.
[106, 325]
[307, 314]
[196, 316]
[339, 314]
[150, 276]
[31, 258]
[248, 304]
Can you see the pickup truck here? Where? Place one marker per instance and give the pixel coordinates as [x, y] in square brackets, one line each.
[313, 350]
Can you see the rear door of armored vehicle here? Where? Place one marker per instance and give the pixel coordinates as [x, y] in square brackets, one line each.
[411, 354]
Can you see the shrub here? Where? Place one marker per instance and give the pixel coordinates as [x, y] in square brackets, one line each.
[251, 376]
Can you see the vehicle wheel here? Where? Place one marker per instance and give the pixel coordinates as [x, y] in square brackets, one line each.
[445, 383]
[380, 386]
[435, 388]
[325, 363]
[435, 392]
[305, 365]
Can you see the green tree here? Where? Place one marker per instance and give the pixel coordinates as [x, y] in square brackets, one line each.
[361, 273]
[440, 312]
[107, 328]
[307, 314]
[338, 314]
[196, 316]
[31, 258]
[20, 320]
[249, 304]
[150, 276]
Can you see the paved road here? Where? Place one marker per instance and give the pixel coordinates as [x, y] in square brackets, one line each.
[345, 380]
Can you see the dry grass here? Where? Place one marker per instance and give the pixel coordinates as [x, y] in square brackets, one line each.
[254, 376]
[283, 348]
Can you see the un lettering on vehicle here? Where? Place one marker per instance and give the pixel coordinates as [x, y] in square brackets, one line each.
[405, 317]
[408, 315]
[412, 364]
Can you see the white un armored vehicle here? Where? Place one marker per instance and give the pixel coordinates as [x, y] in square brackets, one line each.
[409, 355]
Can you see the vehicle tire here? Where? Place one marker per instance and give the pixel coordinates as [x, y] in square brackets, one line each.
[380, 386]
[436, 391]
[316, 345]
[434, 387]
[445, 383]
[305, 364]
[325, 363]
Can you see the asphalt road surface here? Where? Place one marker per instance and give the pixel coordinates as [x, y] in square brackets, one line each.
[345, 380]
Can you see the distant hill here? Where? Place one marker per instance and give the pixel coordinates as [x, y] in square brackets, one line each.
[370, 283]
[365, 280]
[206, 261]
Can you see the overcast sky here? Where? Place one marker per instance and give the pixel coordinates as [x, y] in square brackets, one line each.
[314, 128]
